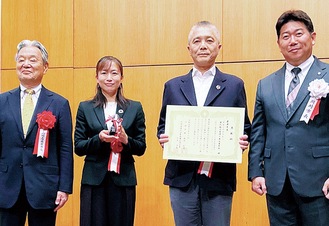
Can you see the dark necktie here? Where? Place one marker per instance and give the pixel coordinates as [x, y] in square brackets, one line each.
[27, 110]
[293, 89]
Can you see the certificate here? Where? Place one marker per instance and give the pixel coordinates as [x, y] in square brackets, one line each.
[202, 133]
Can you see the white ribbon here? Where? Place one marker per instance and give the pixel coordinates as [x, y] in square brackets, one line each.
[114, 164]
[206, 168]
[115, 158]
[42, 144]
[308, 110]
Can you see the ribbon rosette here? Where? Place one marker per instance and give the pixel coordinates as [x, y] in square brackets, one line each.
[116, 146]
[46, 121]
[318, 88]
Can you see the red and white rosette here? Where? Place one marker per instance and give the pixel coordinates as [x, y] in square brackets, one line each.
[46, 121]
[116, 145]
[318, 88]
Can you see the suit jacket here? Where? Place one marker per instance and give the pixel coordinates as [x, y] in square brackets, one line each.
[281, 143]
[225, 91]
[89, 122]
[42, 177]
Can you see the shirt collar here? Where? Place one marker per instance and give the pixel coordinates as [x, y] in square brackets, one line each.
[36, 89]
[210, 72]
[304, 66]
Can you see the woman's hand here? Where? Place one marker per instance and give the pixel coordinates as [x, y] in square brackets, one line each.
[121, 136]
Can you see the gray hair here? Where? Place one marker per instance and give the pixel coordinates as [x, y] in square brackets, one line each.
[34, 43]
[204, 24]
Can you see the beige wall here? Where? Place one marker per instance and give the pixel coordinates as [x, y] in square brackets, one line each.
[150, 38]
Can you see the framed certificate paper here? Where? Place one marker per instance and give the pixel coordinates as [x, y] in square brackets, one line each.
[204, 133]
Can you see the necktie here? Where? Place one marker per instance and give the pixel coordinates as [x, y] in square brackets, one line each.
[293, 89]
[27, 110]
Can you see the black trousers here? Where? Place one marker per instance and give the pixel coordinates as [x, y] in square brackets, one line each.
[107, 204]
[291, 209]
[16, 216]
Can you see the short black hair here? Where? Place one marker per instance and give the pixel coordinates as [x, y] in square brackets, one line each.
[294, 15]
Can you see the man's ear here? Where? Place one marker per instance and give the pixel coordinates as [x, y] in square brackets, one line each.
[45, 68]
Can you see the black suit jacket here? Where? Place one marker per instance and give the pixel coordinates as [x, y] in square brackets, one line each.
[90, 121]
[43, 177]
[180, 91]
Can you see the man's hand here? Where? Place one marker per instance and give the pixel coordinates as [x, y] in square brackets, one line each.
[325, 188]
[244, 142]
[163, 139]
[61, 199]
[258, 185]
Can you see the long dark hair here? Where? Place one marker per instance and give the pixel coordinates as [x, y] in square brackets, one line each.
[99, 98]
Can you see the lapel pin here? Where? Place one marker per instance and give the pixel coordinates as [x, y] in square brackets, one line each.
[120, 111]
[218, 87]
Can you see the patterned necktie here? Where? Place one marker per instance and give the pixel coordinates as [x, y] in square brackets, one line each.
[27, 110]
[293, 89]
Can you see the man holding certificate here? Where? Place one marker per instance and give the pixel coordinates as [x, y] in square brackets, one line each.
[201, 192]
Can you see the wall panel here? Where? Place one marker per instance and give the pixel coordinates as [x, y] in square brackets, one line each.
[119, 28]
[9, 80]
[50, 22]
[249, 28]
[170, 24]
[138, 33]
[84, 89]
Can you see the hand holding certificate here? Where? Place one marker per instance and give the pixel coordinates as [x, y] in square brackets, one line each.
[204, 133]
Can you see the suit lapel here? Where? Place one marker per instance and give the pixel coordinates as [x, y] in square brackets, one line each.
[99, 112]
[278, 90]
[44, 101]
[217, 86]
[316, 71]
[121, 111]
[14, 104]
[187, 89]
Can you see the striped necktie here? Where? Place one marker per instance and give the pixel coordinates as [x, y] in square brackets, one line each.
[293, 89]
[27, 110]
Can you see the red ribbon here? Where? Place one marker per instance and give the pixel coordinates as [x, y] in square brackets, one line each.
[315, 111]
[207, 170]
[116, 146]
[46, 121]
[41, 143]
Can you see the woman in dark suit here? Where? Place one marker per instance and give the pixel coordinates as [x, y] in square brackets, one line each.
[109, 130]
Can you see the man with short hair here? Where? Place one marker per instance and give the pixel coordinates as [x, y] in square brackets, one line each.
[203, 198]
[289, 143]
[36, 153]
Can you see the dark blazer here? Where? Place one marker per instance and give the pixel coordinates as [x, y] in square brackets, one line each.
[282, 144]
[42, 177]
[90, 121]
[225, 91]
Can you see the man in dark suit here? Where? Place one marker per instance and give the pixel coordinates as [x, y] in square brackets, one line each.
[289, 143]
[36, 161]
[201, 199]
